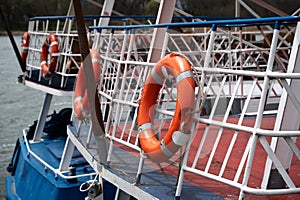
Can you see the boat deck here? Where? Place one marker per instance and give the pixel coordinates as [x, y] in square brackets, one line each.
[154, 181]
[160, 180]
[229, 152]
[255, 179]
[57, 85]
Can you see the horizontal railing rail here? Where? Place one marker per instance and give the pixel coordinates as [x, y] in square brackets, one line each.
[211, 23]
[54, 170]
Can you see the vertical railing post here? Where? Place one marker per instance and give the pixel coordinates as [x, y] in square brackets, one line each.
[120, 96]
[287, 119]
[263, 99]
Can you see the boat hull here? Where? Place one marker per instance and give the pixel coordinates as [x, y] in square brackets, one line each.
[31, 180]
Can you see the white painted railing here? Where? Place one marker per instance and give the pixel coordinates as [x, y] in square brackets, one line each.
[241, 76]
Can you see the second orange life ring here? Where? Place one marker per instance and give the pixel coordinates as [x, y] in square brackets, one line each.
[178, 132]
[52, 41]
[80, 104]
[25, 46]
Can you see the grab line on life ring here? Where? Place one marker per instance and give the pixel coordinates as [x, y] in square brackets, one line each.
[178, 132]
[25, 47]
[51, 41]
[80, 103]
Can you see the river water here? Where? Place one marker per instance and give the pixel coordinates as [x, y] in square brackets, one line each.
[19, 105]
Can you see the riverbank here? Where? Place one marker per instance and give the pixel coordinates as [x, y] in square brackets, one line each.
[16, 33]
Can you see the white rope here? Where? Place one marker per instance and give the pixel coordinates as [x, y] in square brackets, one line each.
[90, 184]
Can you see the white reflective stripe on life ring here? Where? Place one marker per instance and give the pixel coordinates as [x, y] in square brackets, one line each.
[180, 138]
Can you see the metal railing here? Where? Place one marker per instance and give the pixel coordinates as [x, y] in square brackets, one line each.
[243, 72]
[68, 57]
[68, 61]
[54, 170]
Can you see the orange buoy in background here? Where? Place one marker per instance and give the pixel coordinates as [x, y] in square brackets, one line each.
[80, 104]
[51, 41]
[25, 46]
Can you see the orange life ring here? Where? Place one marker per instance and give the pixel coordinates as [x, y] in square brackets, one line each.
[52, 41]
[178, 133]
[80, 104]
[25, 46]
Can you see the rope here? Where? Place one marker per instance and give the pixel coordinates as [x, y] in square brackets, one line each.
[89, 183]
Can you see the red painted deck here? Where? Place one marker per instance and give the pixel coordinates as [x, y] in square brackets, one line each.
[218, 188]
[238, 150]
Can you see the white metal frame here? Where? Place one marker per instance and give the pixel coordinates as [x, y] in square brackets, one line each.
[218, 80]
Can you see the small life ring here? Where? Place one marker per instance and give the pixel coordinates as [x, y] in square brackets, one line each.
[52, 41]
[25, 46]
[80, 104]
[178, 132]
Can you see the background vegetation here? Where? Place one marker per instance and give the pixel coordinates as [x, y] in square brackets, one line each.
[18, 12]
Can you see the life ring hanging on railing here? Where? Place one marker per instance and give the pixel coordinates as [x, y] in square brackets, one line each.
[51, 41]
[80, 104]
[25, 46]
[178, 132]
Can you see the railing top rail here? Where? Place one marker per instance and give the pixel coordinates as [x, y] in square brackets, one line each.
[91, 17]
[213, 23]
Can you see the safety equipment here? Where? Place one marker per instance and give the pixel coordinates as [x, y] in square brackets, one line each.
[25, 46]
[178, 132]
[52, 41]
[80, 105]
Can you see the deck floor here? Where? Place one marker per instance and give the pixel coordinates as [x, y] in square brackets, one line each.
[160, 185]
[124, 163]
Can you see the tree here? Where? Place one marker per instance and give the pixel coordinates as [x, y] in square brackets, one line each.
[18, 12]
[151, 8]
